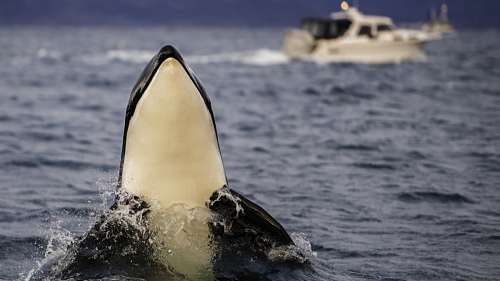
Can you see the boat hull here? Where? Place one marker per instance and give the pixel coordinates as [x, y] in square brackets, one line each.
[390, 47]
[369, 51]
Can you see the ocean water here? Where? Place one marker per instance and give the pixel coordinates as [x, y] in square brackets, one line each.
[390, 172]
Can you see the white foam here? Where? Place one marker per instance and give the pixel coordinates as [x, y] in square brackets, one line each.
[133, 56]
[49, 54]
[266, 57]
[120, 55]
[255, 57]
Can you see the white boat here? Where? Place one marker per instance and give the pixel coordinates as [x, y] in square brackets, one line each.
[350, 36]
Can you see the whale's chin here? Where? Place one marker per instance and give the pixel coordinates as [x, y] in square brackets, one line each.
[182, 239]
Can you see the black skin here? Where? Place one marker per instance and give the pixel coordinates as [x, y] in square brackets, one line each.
[249, 234]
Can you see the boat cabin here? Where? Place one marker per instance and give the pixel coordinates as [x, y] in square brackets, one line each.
[350, 23]
[324, 28]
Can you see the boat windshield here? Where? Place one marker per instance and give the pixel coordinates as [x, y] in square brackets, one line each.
[326, 28]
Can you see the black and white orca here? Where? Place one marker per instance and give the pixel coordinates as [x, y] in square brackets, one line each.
[183, 217]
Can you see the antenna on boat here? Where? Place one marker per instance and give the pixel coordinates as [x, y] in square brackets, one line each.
[443, 12]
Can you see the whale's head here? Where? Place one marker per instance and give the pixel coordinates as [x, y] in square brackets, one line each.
[170, 151]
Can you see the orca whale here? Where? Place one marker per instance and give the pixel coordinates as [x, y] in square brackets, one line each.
[175, 213]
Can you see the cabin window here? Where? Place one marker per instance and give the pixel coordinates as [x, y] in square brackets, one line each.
[383, 28]
[326, 28]
[365, 30]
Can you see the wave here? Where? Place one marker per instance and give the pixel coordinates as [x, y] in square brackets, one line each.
[254, 57]
[258, 57]
[49, 55]
[134, 56]
[430, 196]
[373, 166]
[42, 161]
[118, 55]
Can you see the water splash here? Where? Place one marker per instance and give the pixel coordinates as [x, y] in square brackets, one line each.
[225, 194]
[130, 239]
[107, 188]
[301, 252]
[59, 240]
[181, 240]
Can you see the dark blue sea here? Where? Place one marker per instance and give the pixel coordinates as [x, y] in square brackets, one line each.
[390, 172]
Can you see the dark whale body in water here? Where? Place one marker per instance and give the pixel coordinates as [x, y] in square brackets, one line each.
[124, 242]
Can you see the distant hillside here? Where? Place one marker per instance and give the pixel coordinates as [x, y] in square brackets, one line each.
[465, 13]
